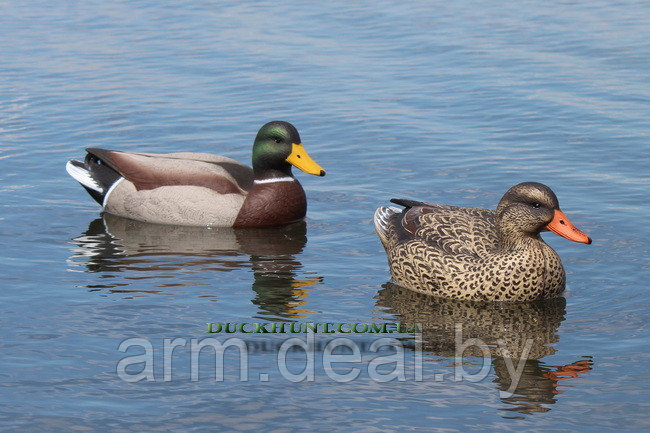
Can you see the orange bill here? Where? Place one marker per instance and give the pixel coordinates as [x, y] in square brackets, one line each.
[565, 228]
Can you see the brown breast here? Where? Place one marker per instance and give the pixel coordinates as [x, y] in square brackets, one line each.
[273, 204]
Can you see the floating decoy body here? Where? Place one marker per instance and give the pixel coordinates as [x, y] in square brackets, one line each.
[200, 189]
[480, 254]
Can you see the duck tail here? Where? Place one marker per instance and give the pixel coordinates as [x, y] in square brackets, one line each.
[382, 219]
[95, 176]
[407, 203]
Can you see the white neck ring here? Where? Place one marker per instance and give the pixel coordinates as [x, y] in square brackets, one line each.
[275, 179]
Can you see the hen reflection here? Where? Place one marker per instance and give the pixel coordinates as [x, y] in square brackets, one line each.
[506, 329]
[134, 250]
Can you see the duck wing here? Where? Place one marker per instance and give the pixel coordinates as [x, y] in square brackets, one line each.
[453, 230]
[149, 171]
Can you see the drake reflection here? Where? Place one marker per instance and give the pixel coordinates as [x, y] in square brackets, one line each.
[173, 257]
[509, 332]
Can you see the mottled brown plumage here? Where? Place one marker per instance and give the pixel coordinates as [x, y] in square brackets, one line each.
[479, 254]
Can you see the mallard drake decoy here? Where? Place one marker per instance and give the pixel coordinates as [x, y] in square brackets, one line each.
[201, 189]
[481, 254]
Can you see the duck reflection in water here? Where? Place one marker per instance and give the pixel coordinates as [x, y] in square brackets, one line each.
[134, 250]
[508, 331]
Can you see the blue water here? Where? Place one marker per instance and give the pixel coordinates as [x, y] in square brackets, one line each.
[444, 102]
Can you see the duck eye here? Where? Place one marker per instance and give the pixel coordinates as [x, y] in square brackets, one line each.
[536, 205]
[278, 140]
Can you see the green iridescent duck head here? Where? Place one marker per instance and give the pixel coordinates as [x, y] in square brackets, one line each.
[277, 147]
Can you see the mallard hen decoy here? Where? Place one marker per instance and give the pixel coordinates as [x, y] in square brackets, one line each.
[471, 253]
[201, 189]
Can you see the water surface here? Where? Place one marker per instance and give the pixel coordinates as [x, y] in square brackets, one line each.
[451, 103]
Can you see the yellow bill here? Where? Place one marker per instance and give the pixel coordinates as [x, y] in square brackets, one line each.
[300, 159]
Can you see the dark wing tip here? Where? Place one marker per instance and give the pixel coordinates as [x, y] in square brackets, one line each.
[77, 163]
[406, 203]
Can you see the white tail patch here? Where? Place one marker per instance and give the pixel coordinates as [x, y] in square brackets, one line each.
[110, 190]
[83, 176]
[382, 218]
